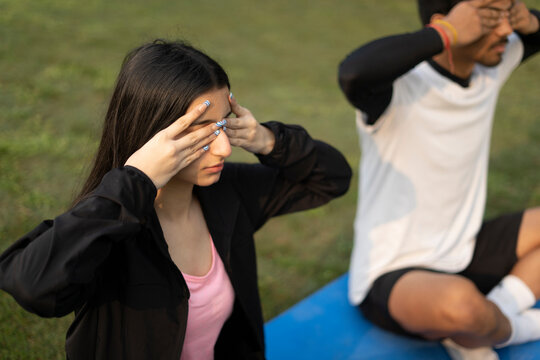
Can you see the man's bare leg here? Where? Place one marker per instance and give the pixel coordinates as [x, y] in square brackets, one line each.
[436, 306]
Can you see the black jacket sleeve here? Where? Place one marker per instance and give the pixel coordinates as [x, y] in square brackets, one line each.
[367, 74]
[531, 42]
[51, 270]
[300, 173]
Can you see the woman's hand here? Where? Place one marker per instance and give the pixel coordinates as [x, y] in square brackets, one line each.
[246, 132]
[522, 20]
[172, 149]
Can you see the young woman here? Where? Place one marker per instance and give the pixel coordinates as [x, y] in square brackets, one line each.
[157, 257]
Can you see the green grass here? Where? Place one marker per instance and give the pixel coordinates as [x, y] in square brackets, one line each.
[59, 59]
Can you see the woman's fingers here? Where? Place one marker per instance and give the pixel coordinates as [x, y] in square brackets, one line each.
[239, 127]
[236, 108]
[192, 146]
[234, 133]
[246, 132]
[237, 137]
[243, 128]
[184, 121]
[173, 148]
[237, 123]
[199, 138]
[244, 119]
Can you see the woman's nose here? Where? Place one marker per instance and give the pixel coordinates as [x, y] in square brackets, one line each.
[221, 145]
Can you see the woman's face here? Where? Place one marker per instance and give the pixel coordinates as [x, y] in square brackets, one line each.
[206, 170]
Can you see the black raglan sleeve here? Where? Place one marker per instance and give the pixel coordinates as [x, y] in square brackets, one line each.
[366, 75]
[531, 42]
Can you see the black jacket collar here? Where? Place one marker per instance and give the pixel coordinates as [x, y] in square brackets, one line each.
[220, 209]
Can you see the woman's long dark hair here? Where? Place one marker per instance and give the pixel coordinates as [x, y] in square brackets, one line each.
[157, 83]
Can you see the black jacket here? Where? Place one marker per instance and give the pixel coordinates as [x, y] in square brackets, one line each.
[106, 258]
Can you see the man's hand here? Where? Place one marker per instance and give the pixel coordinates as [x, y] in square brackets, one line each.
[522, 20]
[474, 19]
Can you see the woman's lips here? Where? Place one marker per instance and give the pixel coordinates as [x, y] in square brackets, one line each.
[214, 168]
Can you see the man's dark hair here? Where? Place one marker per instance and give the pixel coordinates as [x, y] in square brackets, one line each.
[427, 8]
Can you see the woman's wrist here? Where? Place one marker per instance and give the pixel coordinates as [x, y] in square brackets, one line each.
[268, 140]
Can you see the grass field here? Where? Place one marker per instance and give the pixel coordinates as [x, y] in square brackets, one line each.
[59, 60]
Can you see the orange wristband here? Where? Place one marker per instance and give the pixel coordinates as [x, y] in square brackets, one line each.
[446, 41]
[450, 27]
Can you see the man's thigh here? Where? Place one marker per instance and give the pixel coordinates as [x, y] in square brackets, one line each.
[529, 232]
[376, 306]
[423, 292]
[434, 304]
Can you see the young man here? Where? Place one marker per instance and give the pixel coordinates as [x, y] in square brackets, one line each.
[423, 263]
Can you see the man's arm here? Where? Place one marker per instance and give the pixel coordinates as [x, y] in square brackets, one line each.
[367, 74]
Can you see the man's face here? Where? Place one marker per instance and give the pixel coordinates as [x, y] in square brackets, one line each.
[489, 49]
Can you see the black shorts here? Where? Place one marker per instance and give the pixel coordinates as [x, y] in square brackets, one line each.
[493, 258]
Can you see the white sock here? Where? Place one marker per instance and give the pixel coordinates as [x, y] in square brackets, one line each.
[525, 327]
[458, 352]
[512, 296]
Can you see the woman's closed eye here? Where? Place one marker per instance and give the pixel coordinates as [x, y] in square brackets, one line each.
[199, 125]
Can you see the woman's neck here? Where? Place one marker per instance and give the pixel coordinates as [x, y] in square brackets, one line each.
[174, 200]
[184, 228]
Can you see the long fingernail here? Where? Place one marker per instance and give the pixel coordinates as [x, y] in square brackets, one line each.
[221, 123]
[217, 132]
[205, 147]
[224, 128]
[204, 105]
[231, 95]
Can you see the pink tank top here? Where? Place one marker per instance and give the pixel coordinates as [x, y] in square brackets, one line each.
[210, 305]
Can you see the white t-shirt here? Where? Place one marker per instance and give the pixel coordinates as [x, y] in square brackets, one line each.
[423, 172]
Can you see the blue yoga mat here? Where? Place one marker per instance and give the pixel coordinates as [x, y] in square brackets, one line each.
[325, 326]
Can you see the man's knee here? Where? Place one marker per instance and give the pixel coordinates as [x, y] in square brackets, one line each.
[464, 308]
[457, 306]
